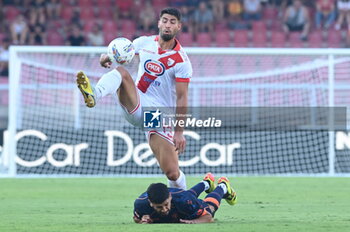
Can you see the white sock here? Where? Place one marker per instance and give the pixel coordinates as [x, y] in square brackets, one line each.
[179, 183]
[224, 187]
[206, 185]
[109, 83]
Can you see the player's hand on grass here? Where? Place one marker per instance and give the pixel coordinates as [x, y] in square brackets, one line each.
[187, 221]
[179, 141]
[136, 220]
[105, 61]
[146, 219]
[202, 219]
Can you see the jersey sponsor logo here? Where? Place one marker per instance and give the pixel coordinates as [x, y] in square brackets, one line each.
[156, 83]
[155, 68]
[170, 62]
[146, 80]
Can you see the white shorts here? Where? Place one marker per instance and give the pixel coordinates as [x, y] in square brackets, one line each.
[135, 118]
[343, 5]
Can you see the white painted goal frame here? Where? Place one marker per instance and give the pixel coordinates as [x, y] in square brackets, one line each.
[9, 151]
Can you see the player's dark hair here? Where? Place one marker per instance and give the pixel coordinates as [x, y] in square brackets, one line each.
[171, 11]
[157, 193]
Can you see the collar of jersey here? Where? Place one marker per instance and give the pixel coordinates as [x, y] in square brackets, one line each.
[176, 48]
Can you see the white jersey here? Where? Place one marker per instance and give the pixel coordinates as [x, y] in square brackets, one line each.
[159, 70]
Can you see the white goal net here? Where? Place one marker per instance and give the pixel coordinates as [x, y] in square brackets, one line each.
[285, 110]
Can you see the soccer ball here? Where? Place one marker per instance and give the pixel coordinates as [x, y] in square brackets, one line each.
[121, 50]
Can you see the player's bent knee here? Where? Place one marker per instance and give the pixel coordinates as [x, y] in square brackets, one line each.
[172, 175]
[123, 72]
[121, 69]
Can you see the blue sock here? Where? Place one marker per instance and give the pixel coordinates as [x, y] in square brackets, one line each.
[197, 189]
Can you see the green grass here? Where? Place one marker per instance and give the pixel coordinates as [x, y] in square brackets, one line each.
[106, 204]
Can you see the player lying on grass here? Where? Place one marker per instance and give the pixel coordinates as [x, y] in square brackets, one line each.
[161, 204]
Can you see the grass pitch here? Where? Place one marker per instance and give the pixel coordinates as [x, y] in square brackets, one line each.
[106, 204]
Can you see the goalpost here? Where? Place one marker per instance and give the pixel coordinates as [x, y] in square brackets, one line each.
[282, 106]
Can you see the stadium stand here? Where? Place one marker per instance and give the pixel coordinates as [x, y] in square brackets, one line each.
[111, 12]
[294, 40]
[118, 18]
[278, 39]
[334, 38]
[240, 38]
[204, 40]
[222, 38]
[316, 39]
[259, 39]
[186, 39]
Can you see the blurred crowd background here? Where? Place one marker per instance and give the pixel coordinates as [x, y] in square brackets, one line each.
[212, 23]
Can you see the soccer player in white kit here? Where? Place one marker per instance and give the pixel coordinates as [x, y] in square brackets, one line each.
[163, 78]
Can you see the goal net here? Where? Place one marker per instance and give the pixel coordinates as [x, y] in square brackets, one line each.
[281, 111]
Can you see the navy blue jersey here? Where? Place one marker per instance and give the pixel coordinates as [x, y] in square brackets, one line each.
[184, 205]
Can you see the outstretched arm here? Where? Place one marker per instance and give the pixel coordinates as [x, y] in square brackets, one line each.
[202, 219]
[105, 61]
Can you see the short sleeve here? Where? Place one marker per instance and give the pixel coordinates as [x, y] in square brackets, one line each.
[141, 207]
[183, 71]
[138, 44]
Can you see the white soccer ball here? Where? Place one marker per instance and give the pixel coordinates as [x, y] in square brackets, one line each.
[121, 50]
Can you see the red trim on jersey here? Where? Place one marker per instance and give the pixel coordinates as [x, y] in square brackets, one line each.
[160, 51]
[178, 79]
[134, 110]
[176, 48]
[137, 106]
[145, 82]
